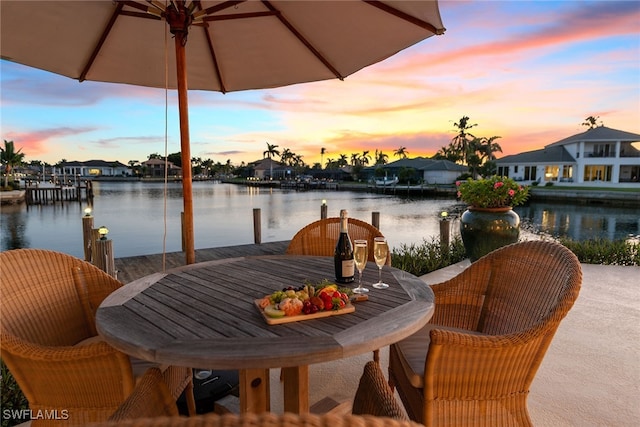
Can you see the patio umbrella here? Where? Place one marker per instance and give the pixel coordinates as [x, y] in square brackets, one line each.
[218, 45]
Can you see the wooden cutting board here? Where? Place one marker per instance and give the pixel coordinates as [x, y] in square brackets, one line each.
[349, 308]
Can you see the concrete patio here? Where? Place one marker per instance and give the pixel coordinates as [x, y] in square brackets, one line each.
[590, 375]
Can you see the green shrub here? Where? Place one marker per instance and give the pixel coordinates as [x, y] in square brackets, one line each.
[549, 184]
[605, 252]
[420, 259]
[11, 396]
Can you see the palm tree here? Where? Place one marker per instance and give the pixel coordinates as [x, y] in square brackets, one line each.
[10, 158]
[486, 147]
[381, 158]
[461, 141]
[364, 159]
[591, 122]
[448, 153]
[331, 163]
[270, 151]
[287, 156]
[401, 152]
[355, 159]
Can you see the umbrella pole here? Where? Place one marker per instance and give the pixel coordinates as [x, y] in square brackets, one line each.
[187, 193]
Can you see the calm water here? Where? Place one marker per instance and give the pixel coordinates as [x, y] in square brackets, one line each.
[223, 216]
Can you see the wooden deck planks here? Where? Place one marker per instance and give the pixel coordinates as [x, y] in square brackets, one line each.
[132, 268]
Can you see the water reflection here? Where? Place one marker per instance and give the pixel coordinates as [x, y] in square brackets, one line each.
[223, 215]
[13, 228]
[582, 222]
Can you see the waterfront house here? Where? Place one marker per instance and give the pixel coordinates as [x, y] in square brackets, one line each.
[600, 156]
[429, 171]
[268, 168]
[154, 168]
[94, 169]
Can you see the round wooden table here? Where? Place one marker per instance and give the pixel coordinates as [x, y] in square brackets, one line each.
[203, 316]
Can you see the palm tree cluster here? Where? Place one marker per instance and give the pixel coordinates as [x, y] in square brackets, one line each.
[10, 158]
[478, 153]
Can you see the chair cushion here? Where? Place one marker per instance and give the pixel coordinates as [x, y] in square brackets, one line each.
[412, 352]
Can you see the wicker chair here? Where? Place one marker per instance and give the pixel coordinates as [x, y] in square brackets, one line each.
[319, 238]
[50, 344]
[150, 398]
[474, 363]
[374, 396]
[267, 419]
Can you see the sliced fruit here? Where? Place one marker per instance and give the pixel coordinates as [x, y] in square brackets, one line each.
[272, 311]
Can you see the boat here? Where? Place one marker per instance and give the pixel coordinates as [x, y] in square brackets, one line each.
[386, 181]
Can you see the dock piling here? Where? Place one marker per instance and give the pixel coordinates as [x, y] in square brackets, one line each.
[257, 227]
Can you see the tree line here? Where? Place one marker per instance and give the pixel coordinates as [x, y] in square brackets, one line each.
[478, 153]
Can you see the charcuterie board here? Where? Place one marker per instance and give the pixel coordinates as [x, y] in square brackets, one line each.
[348, 308]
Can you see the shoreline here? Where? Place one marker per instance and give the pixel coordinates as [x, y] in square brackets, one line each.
[591, 196]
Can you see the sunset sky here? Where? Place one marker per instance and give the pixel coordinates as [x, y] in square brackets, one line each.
[529, 72]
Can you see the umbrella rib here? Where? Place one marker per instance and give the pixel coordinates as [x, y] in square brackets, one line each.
[412, 19]
[212, 52]
[103, 37]
[304, 41]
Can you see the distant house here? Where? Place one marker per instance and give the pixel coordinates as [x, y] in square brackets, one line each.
[94, 169]
[154, 168]
[601, 156]
[430, 171]
[268, 168]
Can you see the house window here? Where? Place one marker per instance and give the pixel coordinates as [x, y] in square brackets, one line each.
[530, 173]
[603, 150]
[597, 173]
[94, 171]
[551, 173]
[503, 171]
[515, 169]
[567, 173]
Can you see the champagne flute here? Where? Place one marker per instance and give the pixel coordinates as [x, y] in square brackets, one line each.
[360, 255]
[380, 254]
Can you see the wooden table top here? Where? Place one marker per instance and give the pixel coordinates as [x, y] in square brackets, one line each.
[203, 315]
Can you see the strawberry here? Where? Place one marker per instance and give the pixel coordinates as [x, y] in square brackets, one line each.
[327, 300]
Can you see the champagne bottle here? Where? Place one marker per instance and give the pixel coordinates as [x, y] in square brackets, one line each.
[343, 255]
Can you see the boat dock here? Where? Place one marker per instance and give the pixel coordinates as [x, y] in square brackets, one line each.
[45, 194]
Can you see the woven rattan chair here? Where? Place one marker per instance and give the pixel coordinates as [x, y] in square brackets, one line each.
[265, 420]
[50, 344]
[374, 396]
[474, 363]
[151, 398]
[319, 238]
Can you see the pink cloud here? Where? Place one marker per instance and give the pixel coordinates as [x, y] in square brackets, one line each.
[37, 143]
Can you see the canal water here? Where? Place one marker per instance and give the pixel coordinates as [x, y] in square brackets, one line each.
[144, 218]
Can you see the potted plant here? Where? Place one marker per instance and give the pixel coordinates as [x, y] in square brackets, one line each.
[489, 221]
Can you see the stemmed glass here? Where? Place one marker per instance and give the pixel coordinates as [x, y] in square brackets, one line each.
[360, 255]
[380, 254]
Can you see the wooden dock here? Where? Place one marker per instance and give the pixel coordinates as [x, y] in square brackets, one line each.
[132, 268]
[37, 195]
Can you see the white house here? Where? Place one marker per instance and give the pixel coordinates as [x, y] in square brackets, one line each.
[600, 156]
[95, 168]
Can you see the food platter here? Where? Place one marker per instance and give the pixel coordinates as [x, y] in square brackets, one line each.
[348, 308]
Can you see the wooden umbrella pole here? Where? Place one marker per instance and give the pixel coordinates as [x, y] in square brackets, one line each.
[183, 107]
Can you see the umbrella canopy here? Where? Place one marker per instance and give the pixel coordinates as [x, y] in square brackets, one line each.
[218, 45]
